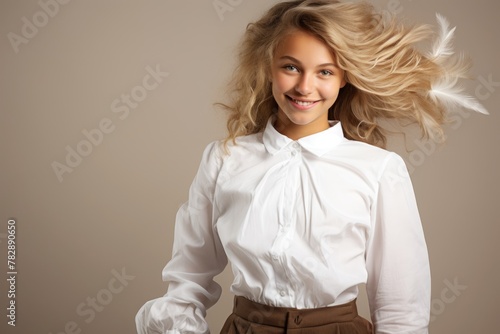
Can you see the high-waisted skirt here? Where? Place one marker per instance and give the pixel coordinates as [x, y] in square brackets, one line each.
[253, 318]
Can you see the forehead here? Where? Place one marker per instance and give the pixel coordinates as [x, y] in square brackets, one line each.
[304, 47]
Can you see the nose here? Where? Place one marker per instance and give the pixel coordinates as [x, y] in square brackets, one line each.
[305, 84]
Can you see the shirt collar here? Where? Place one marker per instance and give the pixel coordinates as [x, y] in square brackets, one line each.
[318, 143]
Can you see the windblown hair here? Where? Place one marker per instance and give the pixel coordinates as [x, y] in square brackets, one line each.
[387, 77]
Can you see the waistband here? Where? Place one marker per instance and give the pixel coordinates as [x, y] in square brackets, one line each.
[292, 317]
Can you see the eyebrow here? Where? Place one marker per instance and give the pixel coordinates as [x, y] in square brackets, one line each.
[298, 61]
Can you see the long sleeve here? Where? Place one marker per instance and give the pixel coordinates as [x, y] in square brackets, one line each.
[398, 285]
[197, 257]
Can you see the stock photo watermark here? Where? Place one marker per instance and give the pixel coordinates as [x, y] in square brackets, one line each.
[30, 27]
[487, 87]
[120, 106]
[448, 295]
[11, 272]
[88, 309]
[425, 148]
[394, 7]
[223, 6]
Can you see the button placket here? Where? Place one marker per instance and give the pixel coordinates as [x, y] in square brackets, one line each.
[295, 149]
[285, 229]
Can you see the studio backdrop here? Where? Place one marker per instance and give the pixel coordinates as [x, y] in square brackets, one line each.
[105, 109]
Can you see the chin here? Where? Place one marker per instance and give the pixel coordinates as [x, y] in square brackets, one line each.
[302, 118]
[301, 121]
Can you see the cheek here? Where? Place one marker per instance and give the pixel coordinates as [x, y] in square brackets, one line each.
[275, 90]
[330, 90]
[282, 83]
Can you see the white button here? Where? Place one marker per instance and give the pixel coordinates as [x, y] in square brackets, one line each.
[294, 153]
[296, 145]
[282, 293]
[275, 257]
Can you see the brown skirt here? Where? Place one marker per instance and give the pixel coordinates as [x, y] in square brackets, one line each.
[253, 318]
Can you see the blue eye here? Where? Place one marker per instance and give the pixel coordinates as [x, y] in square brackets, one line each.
[326, 73]
[290, 68]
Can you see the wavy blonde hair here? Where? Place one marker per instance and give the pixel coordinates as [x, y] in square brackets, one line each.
[387, 77]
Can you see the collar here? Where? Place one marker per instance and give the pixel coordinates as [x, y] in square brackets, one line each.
[317, 143]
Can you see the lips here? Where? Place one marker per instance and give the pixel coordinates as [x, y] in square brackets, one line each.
[301, 104]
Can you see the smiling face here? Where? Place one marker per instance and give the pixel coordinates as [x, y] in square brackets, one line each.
[305, 84]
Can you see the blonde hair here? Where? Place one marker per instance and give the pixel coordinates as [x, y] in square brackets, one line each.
[387, 77]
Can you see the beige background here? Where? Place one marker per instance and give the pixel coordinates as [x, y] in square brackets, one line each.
[116, 208]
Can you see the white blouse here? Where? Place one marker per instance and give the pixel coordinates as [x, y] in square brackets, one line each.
[302, 224]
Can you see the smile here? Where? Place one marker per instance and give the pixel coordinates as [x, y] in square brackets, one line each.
[302, 104]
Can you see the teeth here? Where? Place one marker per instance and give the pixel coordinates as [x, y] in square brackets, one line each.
[302, 103]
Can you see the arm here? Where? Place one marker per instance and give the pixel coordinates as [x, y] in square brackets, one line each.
[197, 257]
[398, 285]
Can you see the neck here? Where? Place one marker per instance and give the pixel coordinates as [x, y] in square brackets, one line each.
[296, 131]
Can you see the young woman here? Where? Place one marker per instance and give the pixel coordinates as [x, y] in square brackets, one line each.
[301, 197]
